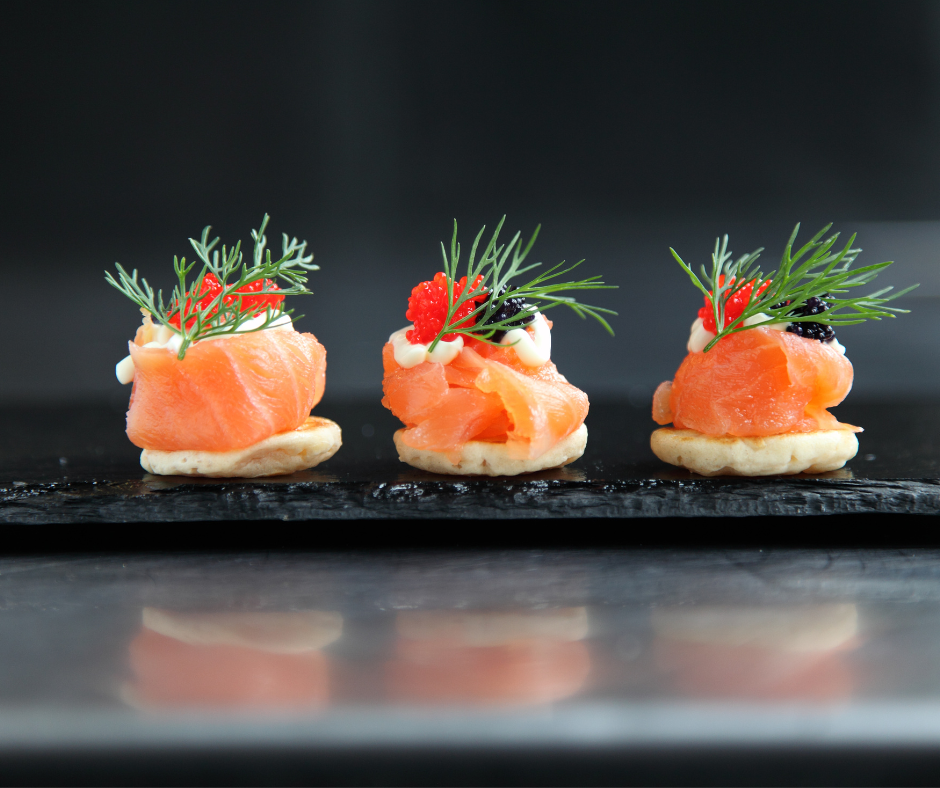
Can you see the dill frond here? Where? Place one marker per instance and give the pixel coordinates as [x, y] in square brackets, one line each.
[223, 314]
[498, 265]
[826, 270]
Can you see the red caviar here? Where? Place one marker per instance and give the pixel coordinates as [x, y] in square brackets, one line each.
[259, 303]
[734, 306]
[211, 287]
[427, 309]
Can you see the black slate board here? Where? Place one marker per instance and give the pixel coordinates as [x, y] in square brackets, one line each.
[75, 465]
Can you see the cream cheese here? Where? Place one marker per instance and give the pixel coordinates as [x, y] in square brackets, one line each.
[282, 323]
[167, 339]
[760, 317]
[699, 336]
[533, 348]
[409, 355]
[124, 370]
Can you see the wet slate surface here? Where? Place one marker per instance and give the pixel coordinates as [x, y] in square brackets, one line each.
[75, 465]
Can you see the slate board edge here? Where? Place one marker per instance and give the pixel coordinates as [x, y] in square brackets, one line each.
[63, 504]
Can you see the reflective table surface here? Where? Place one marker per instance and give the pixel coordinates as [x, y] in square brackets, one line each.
[585, 666]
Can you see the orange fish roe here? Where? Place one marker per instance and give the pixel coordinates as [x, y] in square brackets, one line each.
[211, 287]
[427, 308]
[734, 306]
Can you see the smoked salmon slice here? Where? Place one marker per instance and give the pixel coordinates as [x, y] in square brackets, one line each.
[483, 394]
[757, 382]
[226, 393]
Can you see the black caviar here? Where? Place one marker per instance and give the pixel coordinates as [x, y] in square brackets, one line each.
[507, 309]
[811, 306]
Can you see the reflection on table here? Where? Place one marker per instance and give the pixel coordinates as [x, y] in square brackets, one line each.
[770, 652]
[226, 659]
[478, 646]
[481, 657]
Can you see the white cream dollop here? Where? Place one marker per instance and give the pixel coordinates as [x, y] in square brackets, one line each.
[124, 370]
[760, 317]
[409, 355]
[282, 323]
[535, 348]
[167, 339]
[699, 336]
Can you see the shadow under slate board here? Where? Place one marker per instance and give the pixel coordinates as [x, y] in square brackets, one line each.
[75, 465]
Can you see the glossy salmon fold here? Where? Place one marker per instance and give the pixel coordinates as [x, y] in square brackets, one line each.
[226, 393]
[485, 394]
[755, 383]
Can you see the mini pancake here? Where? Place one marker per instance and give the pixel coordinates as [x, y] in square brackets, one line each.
[769, 455]
[481, 458]
[313, 442]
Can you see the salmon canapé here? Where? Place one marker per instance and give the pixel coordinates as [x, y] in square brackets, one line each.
[218, 368]
[472, 377]
[755, 383]
[484, 394]
[226, 393]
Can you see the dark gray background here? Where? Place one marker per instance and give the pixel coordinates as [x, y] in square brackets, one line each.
[366, 127]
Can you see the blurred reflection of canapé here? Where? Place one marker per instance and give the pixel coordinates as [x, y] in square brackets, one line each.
[757, 653]
[489, 657]
[231, 660]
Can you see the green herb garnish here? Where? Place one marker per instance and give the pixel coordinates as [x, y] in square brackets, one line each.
[825, 272]
[200, 317]
[539, 293]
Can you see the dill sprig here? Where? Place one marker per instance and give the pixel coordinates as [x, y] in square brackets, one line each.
[222, 315]
[498, 265]
[824, 272]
